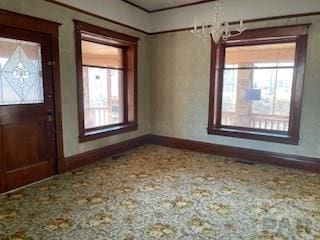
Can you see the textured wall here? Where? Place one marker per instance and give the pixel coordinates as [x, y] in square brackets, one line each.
[45, 10]
[179, 66]
[180, 92]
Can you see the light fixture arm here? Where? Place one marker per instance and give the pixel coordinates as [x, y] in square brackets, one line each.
[216, 30]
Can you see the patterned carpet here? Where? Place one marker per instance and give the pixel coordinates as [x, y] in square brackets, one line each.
[160, 193]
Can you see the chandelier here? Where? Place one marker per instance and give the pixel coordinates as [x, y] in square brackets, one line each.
[215, 29]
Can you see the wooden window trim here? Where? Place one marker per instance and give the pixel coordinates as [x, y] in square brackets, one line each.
[129, 45]
[297, 34]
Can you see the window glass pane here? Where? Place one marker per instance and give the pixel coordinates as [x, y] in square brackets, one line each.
[241, 107]
[257, 86]
[264, 80]
[262, 99]
[229, 95]
[283, 92]
[21, 80]
[276, 86]
[269, 54]
[103, 97]
[100, 55]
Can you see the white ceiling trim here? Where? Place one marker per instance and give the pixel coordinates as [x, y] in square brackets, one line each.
[156, 5]
[178, 18]
[233, 10]
[115, 10]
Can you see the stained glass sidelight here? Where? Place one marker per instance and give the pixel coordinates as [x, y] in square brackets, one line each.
[21, 80]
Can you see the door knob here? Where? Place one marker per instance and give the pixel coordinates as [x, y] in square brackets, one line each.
[50, 116]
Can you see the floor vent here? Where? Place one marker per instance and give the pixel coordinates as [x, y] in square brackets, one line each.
[114, 157]
[245, 162]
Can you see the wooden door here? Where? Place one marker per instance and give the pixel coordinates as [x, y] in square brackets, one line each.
[27, 134]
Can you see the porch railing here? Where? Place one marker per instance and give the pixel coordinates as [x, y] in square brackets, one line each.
[270, 122]
[100, 117]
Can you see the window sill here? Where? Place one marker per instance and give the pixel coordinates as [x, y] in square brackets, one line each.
[90, 135]
[260, 136]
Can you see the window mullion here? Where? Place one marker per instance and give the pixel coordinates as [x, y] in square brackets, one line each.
[275, 91]
[125, 85]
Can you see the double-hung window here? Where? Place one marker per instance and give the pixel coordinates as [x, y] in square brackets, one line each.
[106, 68]
[257, 83]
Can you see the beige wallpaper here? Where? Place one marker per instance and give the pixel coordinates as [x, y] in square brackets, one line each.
[45, 10]
[180, 91]
[173, 84]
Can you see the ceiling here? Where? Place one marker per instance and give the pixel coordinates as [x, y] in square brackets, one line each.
[157, 5]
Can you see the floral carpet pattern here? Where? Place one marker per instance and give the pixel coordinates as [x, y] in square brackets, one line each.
[154, 192]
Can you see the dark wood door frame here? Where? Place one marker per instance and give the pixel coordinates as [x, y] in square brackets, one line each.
[24, 22]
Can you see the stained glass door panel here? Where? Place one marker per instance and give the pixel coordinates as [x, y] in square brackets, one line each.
[27, 123]
[21, 79]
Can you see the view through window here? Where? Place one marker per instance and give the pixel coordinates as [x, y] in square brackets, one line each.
[257, 86]
[102, 84]
[107, 81]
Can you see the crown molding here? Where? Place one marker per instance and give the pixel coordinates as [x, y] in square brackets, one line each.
[95, 15]
[309, 14]
[137, 6]
[180, 29]
[167, 8]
